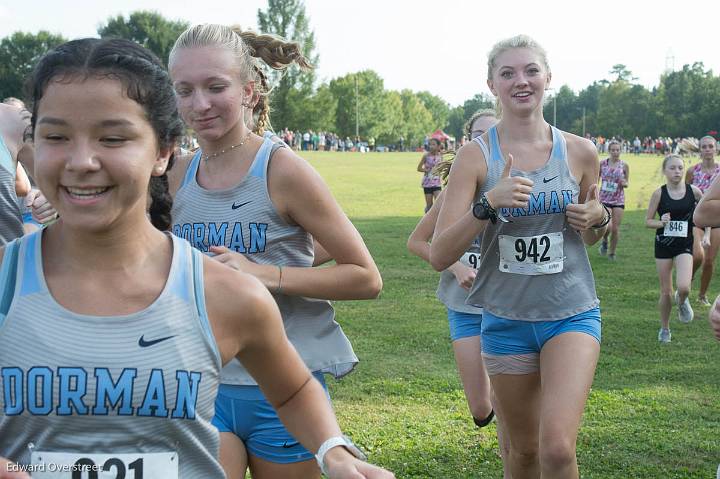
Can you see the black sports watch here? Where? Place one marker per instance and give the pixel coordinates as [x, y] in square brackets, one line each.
[483, 211]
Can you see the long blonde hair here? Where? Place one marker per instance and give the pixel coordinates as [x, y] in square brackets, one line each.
[247, 46]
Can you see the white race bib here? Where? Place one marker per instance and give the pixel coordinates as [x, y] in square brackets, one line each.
[678, 229]
[609, 186]
[71, 465]
[531, 255]
[471, 260]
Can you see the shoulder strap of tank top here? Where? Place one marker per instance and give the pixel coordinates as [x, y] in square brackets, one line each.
[483, 146]
[259, 164]
[494, 143]
[31, 264]
[6, 160]
[192, 168]
[199, 293]
[559, 148]
[8, 273]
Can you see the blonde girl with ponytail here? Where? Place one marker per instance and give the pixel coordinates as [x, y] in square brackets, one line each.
[256, 206]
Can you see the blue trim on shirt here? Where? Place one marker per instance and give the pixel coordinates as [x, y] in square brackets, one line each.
[8, 274]
[192, 168]
[199, 287]
[259, 165]
[6, 160]
[178, 280]
[31, 261]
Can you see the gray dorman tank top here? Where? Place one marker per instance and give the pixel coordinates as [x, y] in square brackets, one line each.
[534, 267]
[244, 219]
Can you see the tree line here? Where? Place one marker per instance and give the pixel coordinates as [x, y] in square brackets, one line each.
[685, 102]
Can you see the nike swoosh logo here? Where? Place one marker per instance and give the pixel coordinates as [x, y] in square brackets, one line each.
[545, 180]
[144, 344]
[292, 444]
[234, 206]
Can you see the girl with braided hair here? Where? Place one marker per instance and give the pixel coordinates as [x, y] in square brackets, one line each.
[455, 283]
[128, 325]
[256, 206]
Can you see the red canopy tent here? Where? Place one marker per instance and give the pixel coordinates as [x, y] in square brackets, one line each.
[440, 135]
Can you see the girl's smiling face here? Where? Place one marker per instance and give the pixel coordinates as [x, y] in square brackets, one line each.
[95, 151]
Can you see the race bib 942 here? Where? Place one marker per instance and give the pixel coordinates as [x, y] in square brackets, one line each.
[531, 255]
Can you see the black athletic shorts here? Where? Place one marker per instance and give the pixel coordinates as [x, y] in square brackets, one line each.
[675, 249]
[431, 190]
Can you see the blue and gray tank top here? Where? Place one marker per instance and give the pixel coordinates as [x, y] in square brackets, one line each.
[10, 214]
[244, 219]
[132, 392]
[534, 267]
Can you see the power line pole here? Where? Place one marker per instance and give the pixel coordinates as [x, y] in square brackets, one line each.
[583, 121]
[357, 110]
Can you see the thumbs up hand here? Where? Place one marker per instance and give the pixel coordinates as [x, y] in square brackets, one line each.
[510, 191]
[584, 216]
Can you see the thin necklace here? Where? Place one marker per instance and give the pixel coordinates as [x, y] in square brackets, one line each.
[230, 148]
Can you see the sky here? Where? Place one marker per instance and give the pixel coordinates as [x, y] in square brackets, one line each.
[440, 46]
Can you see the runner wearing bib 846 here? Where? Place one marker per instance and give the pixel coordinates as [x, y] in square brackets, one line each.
[536, 199]
[674, 202]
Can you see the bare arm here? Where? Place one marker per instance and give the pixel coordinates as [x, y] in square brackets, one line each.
[421, 165]
[419, 241]
[419, 244]
[321, 254]
[257, 338]
[707, 211]
[22, 182]
[588, 212]
[626, 167]
[354, 276]
[26, 157]
[650, 220]
[456, 227]
[689, 176]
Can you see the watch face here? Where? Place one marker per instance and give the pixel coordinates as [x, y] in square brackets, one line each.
[480, 212]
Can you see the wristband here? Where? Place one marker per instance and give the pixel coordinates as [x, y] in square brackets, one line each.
[605, 221]
[337, 441]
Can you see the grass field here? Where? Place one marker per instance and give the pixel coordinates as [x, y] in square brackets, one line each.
[654, 410]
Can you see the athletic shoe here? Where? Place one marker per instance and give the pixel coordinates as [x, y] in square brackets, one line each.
[664, 335]
[603, 248]
[611, 257]
[685, 312]
[703, 300]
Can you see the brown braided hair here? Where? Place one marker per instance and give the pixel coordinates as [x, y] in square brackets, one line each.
[247, 46]
[442, 168]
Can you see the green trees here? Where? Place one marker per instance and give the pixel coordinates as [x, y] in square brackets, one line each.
[18, 54]
[685, 102]
[149, 29]
[293, 89]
